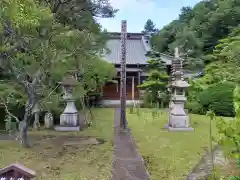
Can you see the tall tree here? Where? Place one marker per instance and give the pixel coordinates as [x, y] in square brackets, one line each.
[36, 52]
[201, 27]
[157, 81]
[149, 27]
[223, 64]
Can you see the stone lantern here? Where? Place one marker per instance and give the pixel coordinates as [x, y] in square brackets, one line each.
[178, 119]
[69, 119]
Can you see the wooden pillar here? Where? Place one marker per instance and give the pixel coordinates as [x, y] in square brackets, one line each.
[139, 78]
[133, 88]
[101, 89]
[123, 121]
[117, 85]
[139, 82]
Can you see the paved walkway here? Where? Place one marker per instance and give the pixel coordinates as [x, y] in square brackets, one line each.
[127, 163]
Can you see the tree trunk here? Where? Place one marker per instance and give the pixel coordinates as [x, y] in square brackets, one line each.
[23, 131]
[36, 123]
[23, 128]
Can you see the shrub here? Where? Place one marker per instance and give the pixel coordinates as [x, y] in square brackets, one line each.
[218, 98]
[194, 107]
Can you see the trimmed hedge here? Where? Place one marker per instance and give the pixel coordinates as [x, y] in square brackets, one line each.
[194, 107]
[218, 98]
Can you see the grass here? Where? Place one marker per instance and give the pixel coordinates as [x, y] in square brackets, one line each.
[169, 155]
[92, 162]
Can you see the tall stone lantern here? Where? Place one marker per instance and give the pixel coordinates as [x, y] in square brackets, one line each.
[178, 119]
[69, 119]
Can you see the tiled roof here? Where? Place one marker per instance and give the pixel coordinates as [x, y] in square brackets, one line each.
[137, 47]
[135, 52]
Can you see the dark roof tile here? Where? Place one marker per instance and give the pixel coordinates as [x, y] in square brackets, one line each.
[136, 50]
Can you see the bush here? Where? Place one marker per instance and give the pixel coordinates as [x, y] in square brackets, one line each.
[194, 107]
[218, 98]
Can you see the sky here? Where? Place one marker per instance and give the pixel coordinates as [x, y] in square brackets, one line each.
[137, 12]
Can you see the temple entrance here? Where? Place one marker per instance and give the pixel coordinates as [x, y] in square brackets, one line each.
[111, 90]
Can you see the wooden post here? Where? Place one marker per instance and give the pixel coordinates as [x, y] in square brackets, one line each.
[123, 74]
[133, 88]
[117, 85]
[139, 82]
[101, 90]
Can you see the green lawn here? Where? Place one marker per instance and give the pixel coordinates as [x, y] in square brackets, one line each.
[78, 163]
[169, 155]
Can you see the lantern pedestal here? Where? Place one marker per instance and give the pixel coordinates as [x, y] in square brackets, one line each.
[69, 119]
[178, 119]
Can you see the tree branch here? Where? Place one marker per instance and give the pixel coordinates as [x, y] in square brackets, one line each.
[8, 112]
[50, 93]
[37, 77]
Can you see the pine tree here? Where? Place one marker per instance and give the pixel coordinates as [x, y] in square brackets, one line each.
[156, 84]
[149, 27]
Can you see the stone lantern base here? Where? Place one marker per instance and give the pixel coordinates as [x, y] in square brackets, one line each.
[68, 122]
[67, 119]
[178, 123]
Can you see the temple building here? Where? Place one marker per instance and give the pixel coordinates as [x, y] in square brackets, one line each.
[137, 48]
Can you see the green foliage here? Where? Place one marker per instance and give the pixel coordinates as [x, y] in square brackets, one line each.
[194, 107]
[238, 162]
[35, 39]
[156, 84]
[229, 137]
[21, 15]
[212, 116]
[219, 98]
[224, 62]
[210, 32]
[155, 113]
[131, 109]
[236, 100]
[234, 178]
[198, 29]
[149, 27]
[41, 42]
[10, 124]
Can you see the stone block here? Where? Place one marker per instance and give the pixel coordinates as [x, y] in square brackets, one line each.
[67, 128]
[69, 119]
[179, 129]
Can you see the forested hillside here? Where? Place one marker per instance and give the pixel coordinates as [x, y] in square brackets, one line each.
[198, 30]
[208, 36]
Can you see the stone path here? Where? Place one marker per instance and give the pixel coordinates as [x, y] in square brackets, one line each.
[204, 168]
[127, 163]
